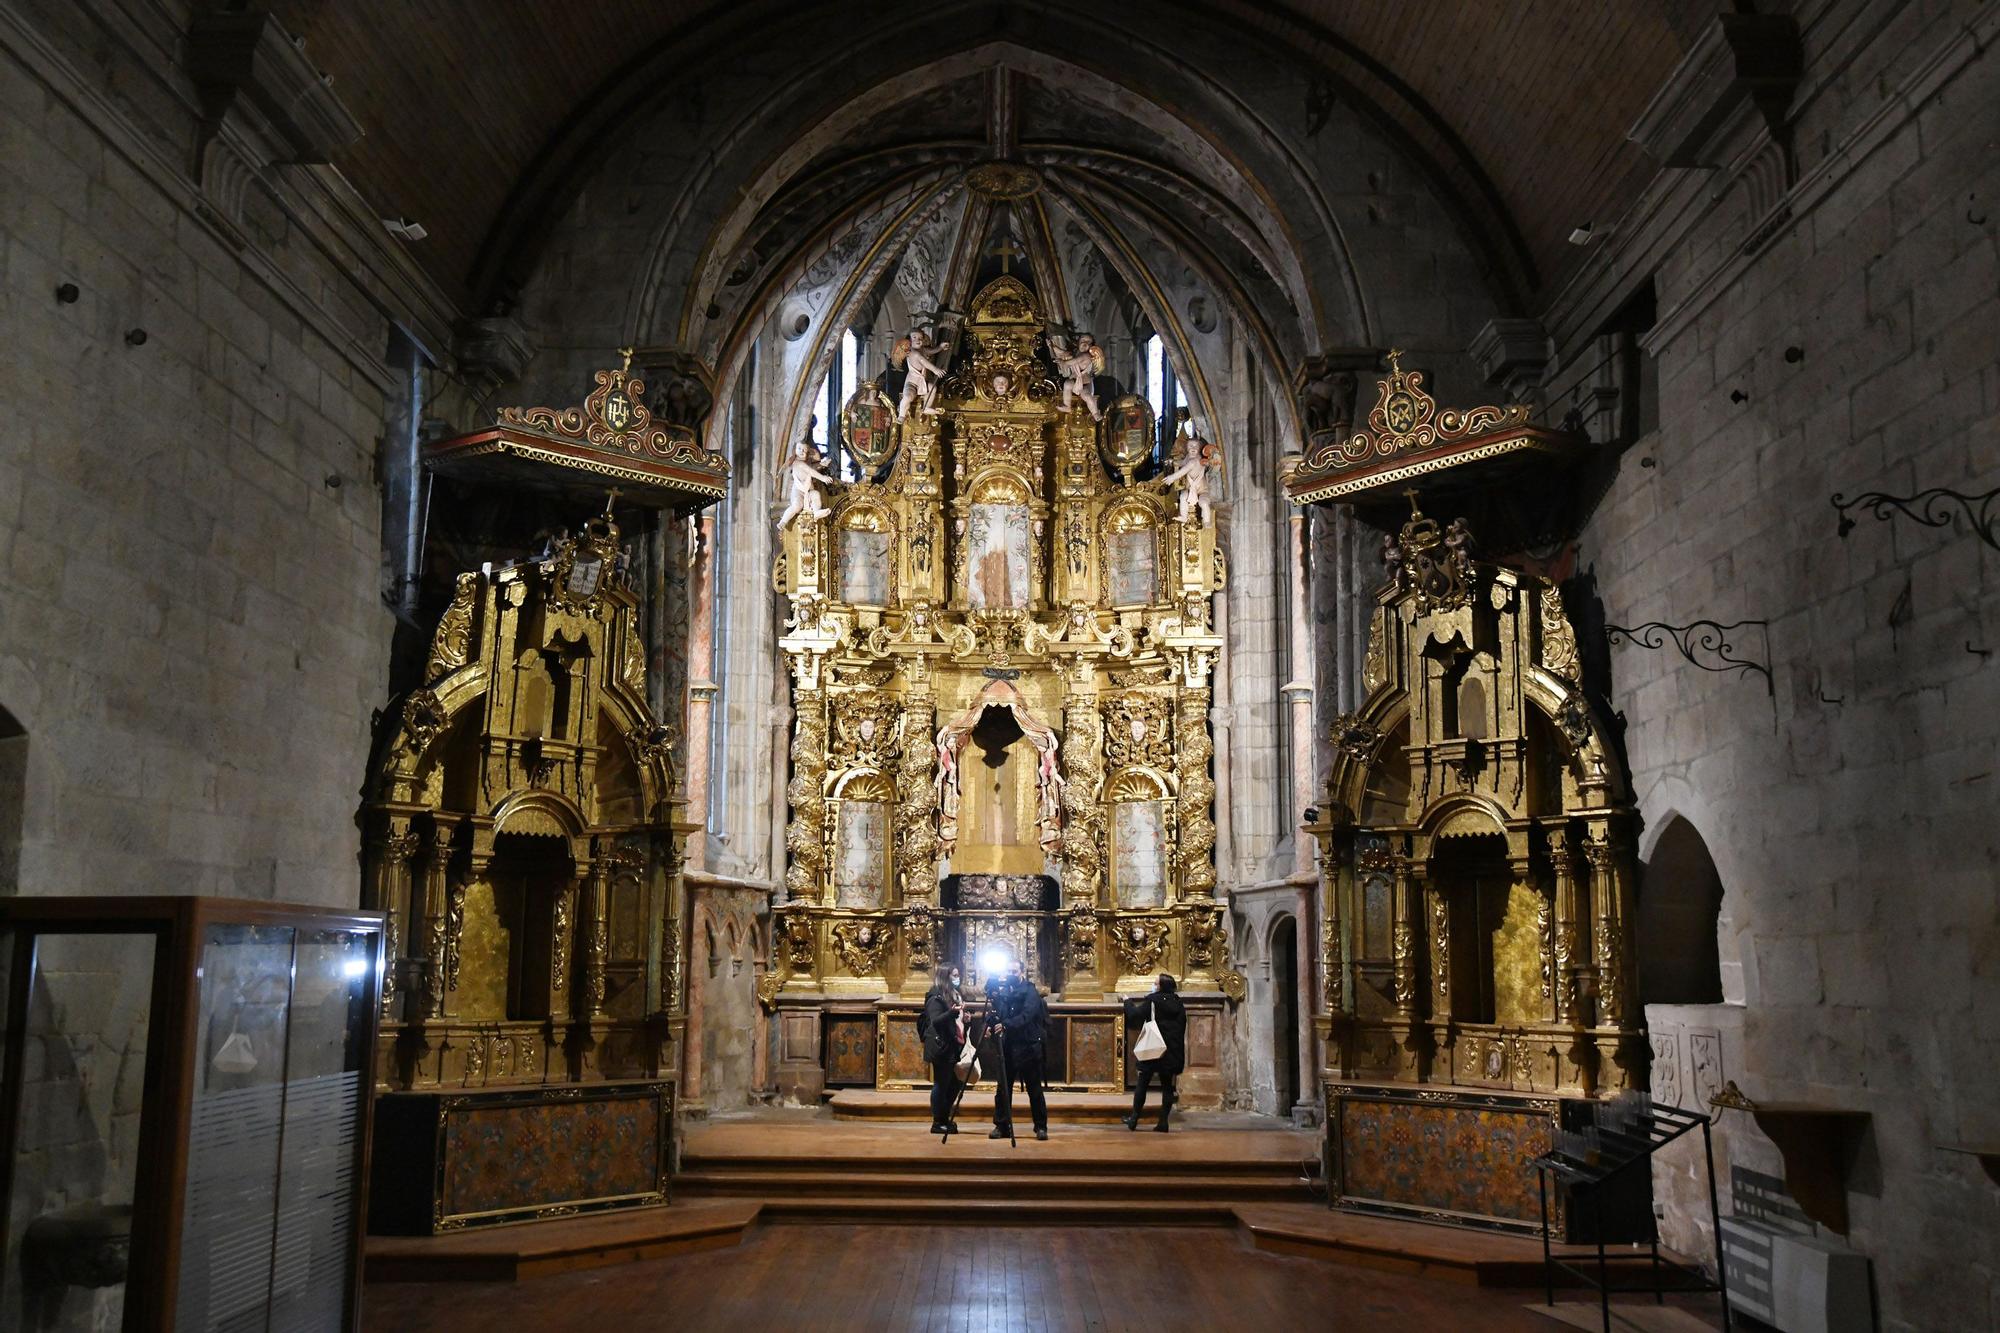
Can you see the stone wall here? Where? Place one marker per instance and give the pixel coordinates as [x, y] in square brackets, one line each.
[190, 552]
[1849, 810]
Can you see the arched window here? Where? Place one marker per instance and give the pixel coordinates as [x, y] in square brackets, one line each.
[831, 396]
[1164, 392]
[1680, 904]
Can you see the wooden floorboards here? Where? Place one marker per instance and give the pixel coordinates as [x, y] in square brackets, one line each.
[977, 1279]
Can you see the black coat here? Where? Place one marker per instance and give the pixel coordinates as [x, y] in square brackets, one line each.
[1166, 1009]
[1025, 1013]
[940, 1030]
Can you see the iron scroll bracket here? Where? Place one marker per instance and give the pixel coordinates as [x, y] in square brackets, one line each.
[1705, 643]
[1935, 508]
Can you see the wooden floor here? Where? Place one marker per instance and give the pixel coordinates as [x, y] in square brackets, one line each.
[839, 1277]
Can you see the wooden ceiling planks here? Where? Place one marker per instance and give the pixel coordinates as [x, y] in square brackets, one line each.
[458, 98]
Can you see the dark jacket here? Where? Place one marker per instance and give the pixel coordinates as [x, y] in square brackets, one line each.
[940, 1030]
[1166, 1009]
[1025, 1013]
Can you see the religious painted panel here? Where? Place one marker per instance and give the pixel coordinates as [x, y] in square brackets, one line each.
[864, 567]
[1134, 566]
[861, 860]
[1139, 853]
[1440, 1155]
[998, 572]
[850, 1050]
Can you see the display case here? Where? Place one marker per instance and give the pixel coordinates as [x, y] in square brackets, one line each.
[184, 1111]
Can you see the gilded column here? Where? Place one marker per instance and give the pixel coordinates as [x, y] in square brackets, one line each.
[805, 836]
[916, 791]
[1193, 748]
[390, 893]
[1566, 956]
[1083, 774]
[1405, 941]
[596, 939]
[436, 899]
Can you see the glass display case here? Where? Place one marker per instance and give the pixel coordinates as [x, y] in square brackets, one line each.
[184, 1111]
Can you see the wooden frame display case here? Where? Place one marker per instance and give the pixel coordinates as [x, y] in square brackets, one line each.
[184, 1107]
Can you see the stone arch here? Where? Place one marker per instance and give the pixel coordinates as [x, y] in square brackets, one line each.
[1680, 910]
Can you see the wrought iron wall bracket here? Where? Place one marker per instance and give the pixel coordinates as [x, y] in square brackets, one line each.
[1705, 643]
[1934, 508]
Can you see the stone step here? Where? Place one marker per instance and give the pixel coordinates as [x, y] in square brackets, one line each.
[986, 1183]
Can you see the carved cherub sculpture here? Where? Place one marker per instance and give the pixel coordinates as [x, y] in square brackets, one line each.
[919, 357]
[1079, 363]
[802, 475]
[1197, 457]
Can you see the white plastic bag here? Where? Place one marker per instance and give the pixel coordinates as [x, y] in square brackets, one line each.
[1151, 1045]
[968, 1064]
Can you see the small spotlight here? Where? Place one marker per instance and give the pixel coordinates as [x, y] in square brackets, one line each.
[354, 967]
[406, 228]
[993, 962]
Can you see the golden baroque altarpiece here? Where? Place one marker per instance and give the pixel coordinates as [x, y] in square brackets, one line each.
[522, 821]
[1477, 828]
[1000, 649]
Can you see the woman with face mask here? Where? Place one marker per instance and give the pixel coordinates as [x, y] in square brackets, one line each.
[943, 1028]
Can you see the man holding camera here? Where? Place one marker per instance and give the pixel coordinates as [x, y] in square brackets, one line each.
[1022, 1017]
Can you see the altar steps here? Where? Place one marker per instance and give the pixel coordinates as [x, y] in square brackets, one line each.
[816, 1171]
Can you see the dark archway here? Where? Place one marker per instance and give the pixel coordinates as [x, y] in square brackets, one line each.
[13, 799]
[1680, 903]
[1285, 1013]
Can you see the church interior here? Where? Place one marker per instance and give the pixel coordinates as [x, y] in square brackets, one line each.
[675, 662]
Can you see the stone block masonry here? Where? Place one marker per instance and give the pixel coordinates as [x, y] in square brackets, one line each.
[191, 627]
[1851, 816]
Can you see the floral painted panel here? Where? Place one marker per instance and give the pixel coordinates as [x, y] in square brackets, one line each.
[528, 1156]
[1443, 1156]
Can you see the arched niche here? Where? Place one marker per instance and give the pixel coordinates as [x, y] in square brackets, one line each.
[1285, 1011]
[1140, 806]
[1680, 907]
[13, 799]
[864, 807]
[1131, 538]
[866, 533]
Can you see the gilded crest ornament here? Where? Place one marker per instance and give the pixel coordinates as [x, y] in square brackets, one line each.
[1434, 563]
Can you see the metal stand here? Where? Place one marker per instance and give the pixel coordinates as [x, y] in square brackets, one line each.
[1615, 1151]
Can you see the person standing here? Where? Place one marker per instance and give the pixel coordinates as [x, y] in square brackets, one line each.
[1165, 1009]
[1024, 1019]
[944, 1038]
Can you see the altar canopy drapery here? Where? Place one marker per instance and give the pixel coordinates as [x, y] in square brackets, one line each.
[1048, 777]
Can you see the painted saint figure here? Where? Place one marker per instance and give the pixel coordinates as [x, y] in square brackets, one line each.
[1197, 458]
[914, 354]
[1079, 363]
[801, 475]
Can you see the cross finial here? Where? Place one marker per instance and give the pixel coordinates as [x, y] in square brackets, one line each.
[612, 499]
[1411, 492]
[1395, 363]
[626, 352]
